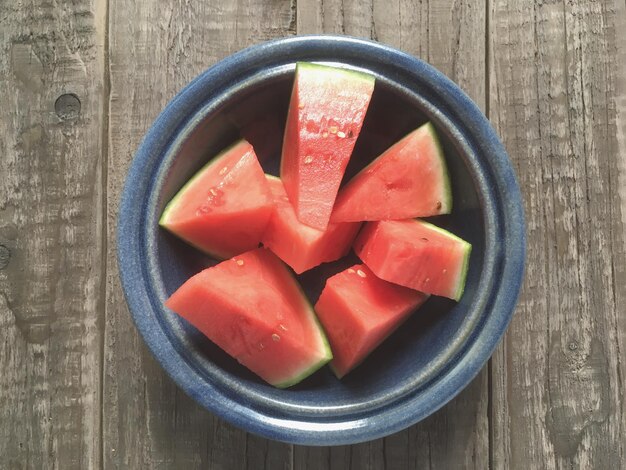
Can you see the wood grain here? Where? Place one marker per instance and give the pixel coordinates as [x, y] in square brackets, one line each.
[50, 233]
[558, 388]
[156, 47]
[81, 81]
[452, 37]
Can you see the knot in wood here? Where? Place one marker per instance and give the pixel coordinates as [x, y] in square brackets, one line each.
[5, 255]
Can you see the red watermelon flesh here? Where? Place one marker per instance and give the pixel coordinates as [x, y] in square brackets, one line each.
[253, 308]
[224, 209]
[415, 254]
[359, 311]
[300, 246]
[326, 112]
[410, 179]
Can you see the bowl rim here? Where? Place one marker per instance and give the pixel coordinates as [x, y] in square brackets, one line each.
[507, 212]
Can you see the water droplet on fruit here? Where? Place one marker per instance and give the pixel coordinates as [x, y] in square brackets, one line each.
[427, 279]
[215, 197]
[308, 159]
[275, 337]
[223, 170]
[282, 327]
[204, 209]
[361, 273]
[240, 262]
[333, 129]
[341, 135]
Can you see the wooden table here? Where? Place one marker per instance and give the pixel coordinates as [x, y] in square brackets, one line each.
[80, 82]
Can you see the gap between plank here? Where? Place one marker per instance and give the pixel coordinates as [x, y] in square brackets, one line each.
[104, 178]
[490, 418]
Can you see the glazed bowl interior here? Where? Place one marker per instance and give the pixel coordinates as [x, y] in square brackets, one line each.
[415, 352]
[435, 353]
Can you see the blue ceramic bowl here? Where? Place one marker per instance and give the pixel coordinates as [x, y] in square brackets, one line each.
[438, 351]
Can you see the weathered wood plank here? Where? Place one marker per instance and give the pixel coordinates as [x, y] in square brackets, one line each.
[618, 197]
[156, 47]
[451, 36]
[50, 233]
[558, 389]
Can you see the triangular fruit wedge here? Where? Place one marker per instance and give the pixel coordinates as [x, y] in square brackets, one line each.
[410, 179]
[415, 254]
[359, 311]
[326, 112]
[224, 209]
[253, 308]
[300, 246]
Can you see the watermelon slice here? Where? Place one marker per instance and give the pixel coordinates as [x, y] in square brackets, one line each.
[300, 246]
[326, 112]
[415, 254]
[224, 209]
[410, 179]
[253, 308]
[359, 311]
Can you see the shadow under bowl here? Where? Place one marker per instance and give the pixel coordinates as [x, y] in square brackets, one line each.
[437, 351]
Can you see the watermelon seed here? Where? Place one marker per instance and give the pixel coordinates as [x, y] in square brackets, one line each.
[308, 159]
[341, 134]
[351, 271]
[424, 239]
[261, 346]
[240, 262]
[438, 205]
[361, 273]
[282, 327]
[427, 279]
[223, 170]
[301, 105]
[324, 134]
[213, 192]
[275, 337]
[333, 129]
[350, 133]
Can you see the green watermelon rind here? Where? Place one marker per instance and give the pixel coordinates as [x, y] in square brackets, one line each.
[463, 275]
[467, 248]
[272, 177]
[446, 202]
[325, 346]
[330, 69]
[172, 205]
[328, 356]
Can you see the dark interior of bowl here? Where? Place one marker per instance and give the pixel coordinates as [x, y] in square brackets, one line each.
[427, 342]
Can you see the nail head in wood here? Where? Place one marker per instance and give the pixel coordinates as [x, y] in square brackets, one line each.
[67, 107]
